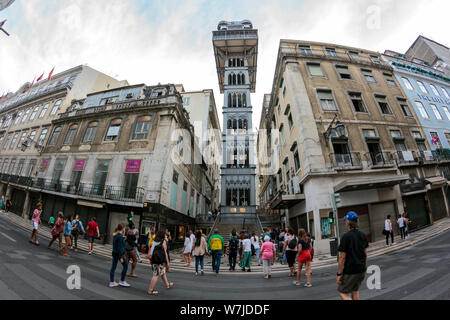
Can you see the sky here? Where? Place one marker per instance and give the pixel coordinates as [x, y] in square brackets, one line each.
[169, 41]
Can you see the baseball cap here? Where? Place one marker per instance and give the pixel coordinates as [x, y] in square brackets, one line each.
[351, 216]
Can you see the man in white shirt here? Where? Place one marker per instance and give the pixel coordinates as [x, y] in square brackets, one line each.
[402, 226]
[246, 261]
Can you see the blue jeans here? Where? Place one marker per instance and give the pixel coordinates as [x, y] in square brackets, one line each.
[257, 255]
[216, 256]
[199, 260]
[284, 257]
[114, 266]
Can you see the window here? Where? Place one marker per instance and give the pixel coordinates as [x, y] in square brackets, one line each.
[109, 100]
[331, 52]
[25, 116]
[327, 100]
[357, 101]
[142, 128]
[389, 79]
[22, 140]
[375, 59]
[55, 108]
[422, 110]
[447, 113]
[113, 131]
[20, 167]
[19, 115]
[186, 101]
[447, 136]
[71, 134]
[368, 75]
[1, 139]
[55, 136]
[296, 159]
[435, 135]
[383, 103]
[44, 110]
[91, 130]
[343, 72]
[180, 146]
[283, 136]
[422, 87]
[101, 173]
[396, 134]
[354, 55]
[436, 111]
[173, 194]
[435, 90]
[8, 121]
[369, 133]
[405, 108]
[40, 141]
[35, 111]
[13, 142]
[445, 93]
[32, 135]
[291, 122]
[284, 92]
[305, 50]
[417, 135]
[315, 70]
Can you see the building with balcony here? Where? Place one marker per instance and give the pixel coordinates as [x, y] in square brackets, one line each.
[127, 150]
[337, 125]
[25, 121]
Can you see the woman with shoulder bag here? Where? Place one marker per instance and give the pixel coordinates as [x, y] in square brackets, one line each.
[57, 232]
[159, 261]
[118, 254]
[130, 251]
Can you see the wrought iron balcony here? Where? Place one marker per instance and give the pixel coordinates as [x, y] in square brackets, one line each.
[428, 156]
[350, 160]
[380, 159]
[407, 157]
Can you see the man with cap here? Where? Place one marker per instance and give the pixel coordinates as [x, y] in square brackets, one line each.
[352, 266]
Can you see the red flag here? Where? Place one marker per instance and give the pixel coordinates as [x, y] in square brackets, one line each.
[51, 73]
[33, 81]
[40, 78]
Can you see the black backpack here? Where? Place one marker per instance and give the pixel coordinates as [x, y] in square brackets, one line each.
[234, 244]
[159, 255]
[292, 244]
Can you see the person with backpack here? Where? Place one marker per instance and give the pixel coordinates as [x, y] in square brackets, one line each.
[57, 232]
[36, 220]
[290, 249]
[304, 257]
[159, 260]
[198, 251]
[256, 247]
[130, 251]
[233, 248]
[268, 254]
[118, 254]
[78, 230]
[216, 246]
[246, 260]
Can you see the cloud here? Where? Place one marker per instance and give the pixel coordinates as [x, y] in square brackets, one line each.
[170, 41]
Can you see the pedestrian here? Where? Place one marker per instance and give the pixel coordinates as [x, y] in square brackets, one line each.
[130, 250]
[159, 260]
[57, 231]
[36, 220]
[407, 224]
[246, 259]
[135, 231]
[304, 257]
[51, 221]
[388, 232]
[93, 232]
[256, 247]
[268, 254]
[187, 249]
[216, 247]
[233, 246]
[68, 227]
[168, 239]
[402, 226]
[290, 248]
[352, 259]
[78, 230]
[268, 233]
[199, 250]
[8, 205]
[150, 238]
[2, 203]
[118, 254]
[312, 245]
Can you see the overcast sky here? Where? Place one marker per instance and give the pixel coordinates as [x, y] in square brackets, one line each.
[168, 41]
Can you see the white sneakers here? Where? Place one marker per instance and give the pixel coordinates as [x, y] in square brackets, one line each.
[113, 284]
[121, 283]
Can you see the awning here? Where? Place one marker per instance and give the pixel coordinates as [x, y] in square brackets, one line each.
[287, 201]
[436, 181]
[90, 204]
[370, 183]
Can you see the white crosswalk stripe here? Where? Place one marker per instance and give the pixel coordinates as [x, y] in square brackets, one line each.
[7, 237]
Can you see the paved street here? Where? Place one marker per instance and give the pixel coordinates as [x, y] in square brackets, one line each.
[30, 272]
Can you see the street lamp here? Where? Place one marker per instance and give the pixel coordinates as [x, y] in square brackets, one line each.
[27, 144]
[335, 126]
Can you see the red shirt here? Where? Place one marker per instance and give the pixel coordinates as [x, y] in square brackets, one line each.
[92, 228]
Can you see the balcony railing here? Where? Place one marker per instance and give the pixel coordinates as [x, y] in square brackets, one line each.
[380, 159]
[349, 160]
[427, 156]
[407, 157]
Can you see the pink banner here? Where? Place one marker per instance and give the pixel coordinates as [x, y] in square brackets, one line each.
[45, 163]
[79, 165]
[133, 166]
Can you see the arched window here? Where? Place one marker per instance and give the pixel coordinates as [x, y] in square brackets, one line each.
[113, 130]
[243, 79]
[71, 134]
[230, 62]
[230, 79]
[239, 100]
[240, 124]
[234, 124]
[229, 100]
[91, 130]
[234, 79]
[244, 98]
[55, 136]
[142, 127]
[230, 124]
[234, 100]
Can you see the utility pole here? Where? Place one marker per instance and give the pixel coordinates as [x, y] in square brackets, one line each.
[336, 202]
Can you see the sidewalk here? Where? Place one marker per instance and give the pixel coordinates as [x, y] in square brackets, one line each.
[177, 261]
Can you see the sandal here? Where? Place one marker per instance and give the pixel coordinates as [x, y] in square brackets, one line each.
[153, 292]
[170, 285]
[132, 275]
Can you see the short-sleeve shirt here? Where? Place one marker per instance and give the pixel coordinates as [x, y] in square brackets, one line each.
[267, 249]
[36, 216]
[247, 244]
[305, 246]
[354, 243]
[287, 240]
[92, 228]
[401, 222]
[255, 242]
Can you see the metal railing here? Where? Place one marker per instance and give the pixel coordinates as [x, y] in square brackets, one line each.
[348, 160]
[380, 159]
[216, 222]
[407, 157]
